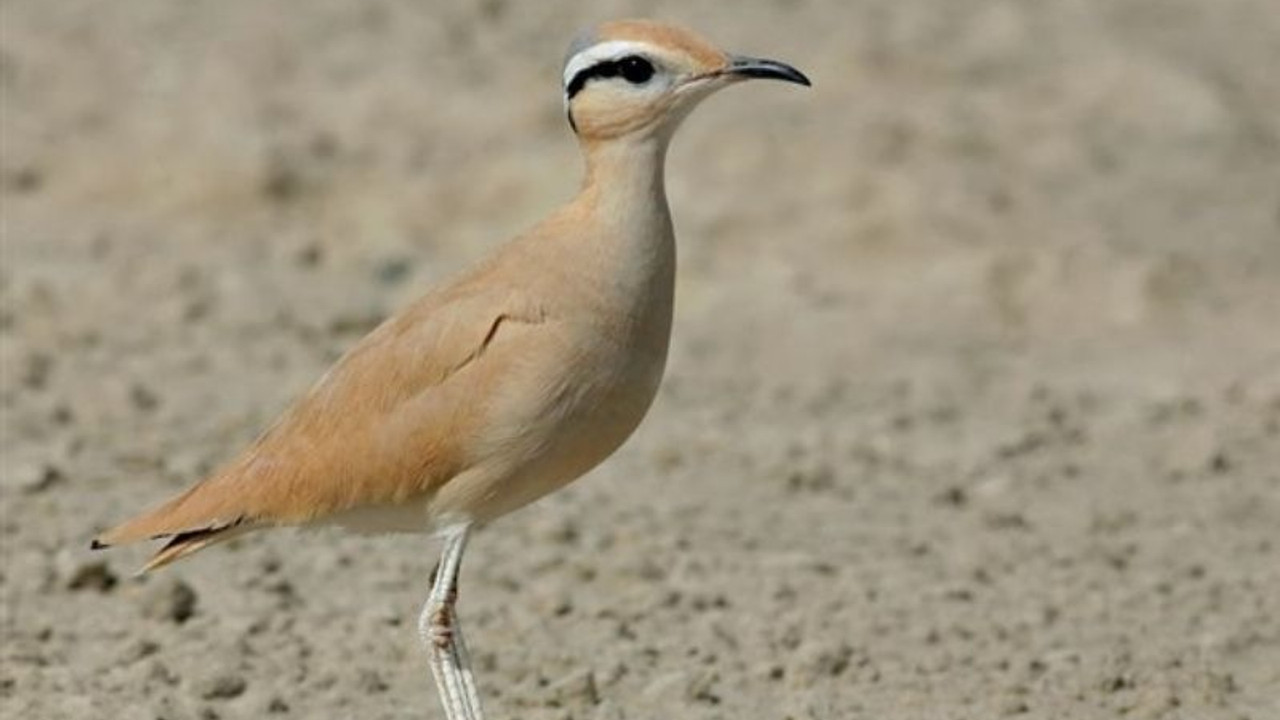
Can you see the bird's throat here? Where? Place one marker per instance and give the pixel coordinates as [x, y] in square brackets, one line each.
[625, 177]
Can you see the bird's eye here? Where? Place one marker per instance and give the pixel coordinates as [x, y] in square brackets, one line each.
[635, 69]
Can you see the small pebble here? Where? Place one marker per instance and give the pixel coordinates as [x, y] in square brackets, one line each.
[139, 650]
[34, 478]
[393, 271]
[575, 690]
[92, 576]
[172, 601]
[23, 180]
[370, 682]
[223, 686]
[144, 399]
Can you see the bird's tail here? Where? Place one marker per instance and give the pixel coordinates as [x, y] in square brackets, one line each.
[183, 544]
[167, 522]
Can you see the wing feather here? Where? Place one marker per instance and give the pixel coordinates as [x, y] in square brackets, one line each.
[409, 385]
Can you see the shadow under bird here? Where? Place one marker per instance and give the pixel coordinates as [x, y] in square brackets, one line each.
[507, 383]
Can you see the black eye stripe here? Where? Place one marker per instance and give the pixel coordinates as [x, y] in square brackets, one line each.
[605, 69]
[632, 67]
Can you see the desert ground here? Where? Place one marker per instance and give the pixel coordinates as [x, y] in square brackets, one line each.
[973, 408]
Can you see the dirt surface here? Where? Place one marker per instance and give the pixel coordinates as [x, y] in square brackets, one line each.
[973, 409]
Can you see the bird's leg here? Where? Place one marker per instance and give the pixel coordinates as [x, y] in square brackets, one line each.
[440, 632]
[464, 662]
[434, 630]
[462, 665]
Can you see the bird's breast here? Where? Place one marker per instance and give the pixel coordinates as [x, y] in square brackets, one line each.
[618, 332]
[619, 361]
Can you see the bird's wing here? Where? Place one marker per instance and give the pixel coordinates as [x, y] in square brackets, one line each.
[390, 421]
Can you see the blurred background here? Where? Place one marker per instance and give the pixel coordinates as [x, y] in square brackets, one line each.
[973, 408]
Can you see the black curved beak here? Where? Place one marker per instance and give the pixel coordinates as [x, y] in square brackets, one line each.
[749, 67]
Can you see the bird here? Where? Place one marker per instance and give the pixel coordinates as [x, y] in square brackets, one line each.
[506, 383]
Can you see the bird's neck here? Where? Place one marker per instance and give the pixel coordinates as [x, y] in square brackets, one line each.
[629, 243]
[624, 185]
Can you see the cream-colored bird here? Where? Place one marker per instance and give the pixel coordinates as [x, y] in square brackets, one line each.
[514, 379]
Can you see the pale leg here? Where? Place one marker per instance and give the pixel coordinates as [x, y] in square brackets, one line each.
[468, 677]
[440, 632]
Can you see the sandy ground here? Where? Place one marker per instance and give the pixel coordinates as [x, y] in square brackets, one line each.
[973, 409]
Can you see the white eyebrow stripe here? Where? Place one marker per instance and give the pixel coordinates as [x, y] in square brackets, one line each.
[608, 50]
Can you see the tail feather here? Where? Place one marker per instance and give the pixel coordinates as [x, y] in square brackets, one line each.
[150, 525]
[183, 532]
[183, 515]
[186, 543]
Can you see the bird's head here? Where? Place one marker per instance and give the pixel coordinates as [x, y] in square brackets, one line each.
[636, 77]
